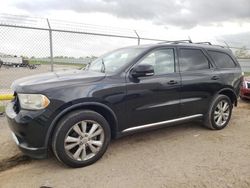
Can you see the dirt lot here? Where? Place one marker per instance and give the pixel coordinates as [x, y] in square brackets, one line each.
[181, 156]
[9, 74]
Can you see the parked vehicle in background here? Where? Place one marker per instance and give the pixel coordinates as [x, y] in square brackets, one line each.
[77, 112]
[245, 88]
[12, 61]
[16, 62]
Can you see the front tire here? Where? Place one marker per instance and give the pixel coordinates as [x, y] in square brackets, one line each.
[81, 138]
[219, 113]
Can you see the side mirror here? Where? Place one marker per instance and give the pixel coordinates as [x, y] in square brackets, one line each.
[142, 70]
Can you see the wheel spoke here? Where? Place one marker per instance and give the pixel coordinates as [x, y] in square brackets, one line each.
[93, 128]
[71, 146]
[219, 120]
[83, 155]
[225, 116]
[216, 112]
[220, 105]
[225, 107]
[84, 126]
[71, 139]
[77, 129]
[96, 133]
[92, 148]
[216, 116]
[77, 153]
[95, 142]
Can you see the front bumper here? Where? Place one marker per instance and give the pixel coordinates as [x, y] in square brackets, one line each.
[38, 153]
[27, 131]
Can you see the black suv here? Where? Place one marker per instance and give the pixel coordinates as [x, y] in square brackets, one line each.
[76, 113]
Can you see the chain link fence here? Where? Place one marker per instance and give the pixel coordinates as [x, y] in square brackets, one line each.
[29, 46]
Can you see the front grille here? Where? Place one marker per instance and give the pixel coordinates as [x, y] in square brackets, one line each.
[247, 94]
[16, 105]
[248, 85]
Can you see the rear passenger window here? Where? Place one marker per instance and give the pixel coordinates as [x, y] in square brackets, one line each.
[192, 59]
[222, 60]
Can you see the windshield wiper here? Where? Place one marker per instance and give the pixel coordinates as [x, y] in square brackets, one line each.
[103, 66]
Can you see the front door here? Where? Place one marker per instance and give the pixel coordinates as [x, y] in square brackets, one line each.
[154, 99]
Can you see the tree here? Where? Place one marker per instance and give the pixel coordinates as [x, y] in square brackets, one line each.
[242, 53]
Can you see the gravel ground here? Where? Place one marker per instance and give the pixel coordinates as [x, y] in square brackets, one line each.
[181, 156]
[8, 147]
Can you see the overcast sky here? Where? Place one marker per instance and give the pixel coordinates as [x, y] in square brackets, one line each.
[172, 19]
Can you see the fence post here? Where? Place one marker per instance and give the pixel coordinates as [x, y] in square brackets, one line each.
[51, 47]
[138, 37]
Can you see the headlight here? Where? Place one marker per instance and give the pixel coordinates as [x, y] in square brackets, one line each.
[33, 101]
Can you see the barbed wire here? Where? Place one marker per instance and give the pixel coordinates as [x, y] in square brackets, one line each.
[28, 22]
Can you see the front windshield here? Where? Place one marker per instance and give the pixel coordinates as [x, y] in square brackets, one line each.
[113, 61]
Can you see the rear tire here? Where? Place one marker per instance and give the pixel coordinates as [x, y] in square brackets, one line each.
[81, 138]
[219, 113]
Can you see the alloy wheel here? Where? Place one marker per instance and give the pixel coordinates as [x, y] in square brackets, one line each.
[84, 140]
[221, 113]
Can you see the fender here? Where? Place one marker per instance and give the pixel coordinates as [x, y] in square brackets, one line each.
[66, 110]
[231, 90]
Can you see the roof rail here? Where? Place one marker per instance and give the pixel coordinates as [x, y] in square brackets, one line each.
[219, 45]
[176, 41]
[209, 43]
[189, 41]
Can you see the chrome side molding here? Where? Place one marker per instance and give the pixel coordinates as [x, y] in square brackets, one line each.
[162, 122]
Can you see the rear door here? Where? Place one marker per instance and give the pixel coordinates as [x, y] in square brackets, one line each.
[229, 69]
[199, 81]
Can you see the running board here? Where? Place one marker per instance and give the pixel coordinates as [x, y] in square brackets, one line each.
[162, 122]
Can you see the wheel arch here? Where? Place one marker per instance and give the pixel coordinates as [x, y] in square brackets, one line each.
[100, 108]
[229, 93]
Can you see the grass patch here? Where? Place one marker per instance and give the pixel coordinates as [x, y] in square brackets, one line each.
[2, 108]
[246, 73]
[56, 63]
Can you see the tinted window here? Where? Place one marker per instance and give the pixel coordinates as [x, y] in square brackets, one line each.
[192, 59]
[222, 60]
[161, 60]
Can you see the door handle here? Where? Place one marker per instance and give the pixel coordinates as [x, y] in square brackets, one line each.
[172, 82]
[215, 78]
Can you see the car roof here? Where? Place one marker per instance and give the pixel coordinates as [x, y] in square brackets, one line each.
[185, 45]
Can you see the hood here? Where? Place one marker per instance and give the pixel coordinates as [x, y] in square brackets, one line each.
[55, 79]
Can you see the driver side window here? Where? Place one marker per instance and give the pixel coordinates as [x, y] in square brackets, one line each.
[162, 61]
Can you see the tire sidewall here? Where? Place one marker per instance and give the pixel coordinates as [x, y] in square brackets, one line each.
[63, 128]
